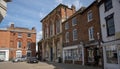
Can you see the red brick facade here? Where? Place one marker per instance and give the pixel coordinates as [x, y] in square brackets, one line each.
[10, 37]
[83, 35]
[52, 29]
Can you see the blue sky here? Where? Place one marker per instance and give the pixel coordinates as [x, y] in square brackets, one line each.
[28, 13]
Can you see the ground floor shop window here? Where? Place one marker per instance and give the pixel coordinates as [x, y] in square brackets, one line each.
[111, 54]
[73, 54]
[90, 55]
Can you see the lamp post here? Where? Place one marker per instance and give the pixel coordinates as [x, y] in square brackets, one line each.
[100, 51]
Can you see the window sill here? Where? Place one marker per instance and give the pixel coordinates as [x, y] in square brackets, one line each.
[90, 20]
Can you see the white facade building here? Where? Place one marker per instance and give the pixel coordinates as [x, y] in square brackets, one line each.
[4, 54]
[110, 28]
[3, 8]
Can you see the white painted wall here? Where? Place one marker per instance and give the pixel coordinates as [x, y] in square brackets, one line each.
[2, 11]
[6, 54]
[103, 14]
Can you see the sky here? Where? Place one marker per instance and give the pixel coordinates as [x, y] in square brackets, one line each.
[29, 13]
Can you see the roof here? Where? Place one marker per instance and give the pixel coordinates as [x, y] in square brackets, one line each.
[54, 9]
[95, 2]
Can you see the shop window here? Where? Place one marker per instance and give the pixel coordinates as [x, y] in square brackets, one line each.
[111, 54]
[73, 54]
[90, 55]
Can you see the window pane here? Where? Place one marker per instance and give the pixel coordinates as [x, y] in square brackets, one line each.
[110, 25]
[57, 26]
[90, 16]
[29, 35]
[75, 34]
[111, 54]
[108, 5]
[19, 35]
[66, 26]
[74, 21]
[67, 37]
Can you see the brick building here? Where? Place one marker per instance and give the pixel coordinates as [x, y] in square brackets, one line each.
[52, 29]
[17, 42]
[81, 36]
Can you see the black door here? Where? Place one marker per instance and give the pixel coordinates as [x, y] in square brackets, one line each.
[51, 54]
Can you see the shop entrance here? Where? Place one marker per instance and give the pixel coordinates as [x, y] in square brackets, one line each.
[92, 56]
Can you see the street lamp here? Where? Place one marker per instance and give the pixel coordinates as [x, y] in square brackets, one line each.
[100, 51]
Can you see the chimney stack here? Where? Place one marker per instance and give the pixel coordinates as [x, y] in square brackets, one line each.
[12, 25]
[73, 8]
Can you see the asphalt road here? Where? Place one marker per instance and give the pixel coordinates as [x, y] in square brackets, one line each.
[24, 65]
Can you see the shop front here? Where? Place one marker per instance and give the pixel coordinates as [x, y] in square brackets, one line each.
[4, 55]
[111, 52]
[92, 56]
[73, 54]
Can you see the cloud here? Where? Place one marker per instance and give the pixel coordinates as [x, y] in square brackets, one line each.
[39, 36]
[78, 4]
[42, 15]
[59, 1]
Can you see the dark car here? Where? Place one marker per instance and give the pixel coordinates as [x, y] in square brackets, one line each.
[32, 60]
[1, 60]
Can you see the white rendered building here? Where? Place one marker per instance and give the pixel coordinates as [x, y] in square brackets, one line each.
[110, 28]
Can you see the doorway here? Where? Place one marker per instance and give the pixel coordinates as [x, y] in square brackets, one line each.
[51, 54]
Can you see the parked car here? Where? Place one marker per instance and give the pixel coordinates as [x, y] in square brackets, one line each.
[1, 60]
[32, 60]
[16, 60]
[20, 59]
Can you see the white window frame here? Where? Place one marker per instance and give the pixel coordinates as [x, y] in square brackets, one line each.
[18, 44]
[75, 36]
[57, 26]
[28, 45]
[67, 36]
[89, 15]
[18, 53]
[19, 35]
[28, 35]
[66, 25]
[91, 33]
[74, 21]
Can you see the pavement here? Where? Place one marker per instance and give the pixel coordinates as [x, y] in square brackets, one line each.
[73, 66]
[43, 65]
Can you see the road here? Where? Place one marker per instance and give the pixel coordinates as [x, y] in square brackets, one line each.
[24, 65]
[43, 65]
